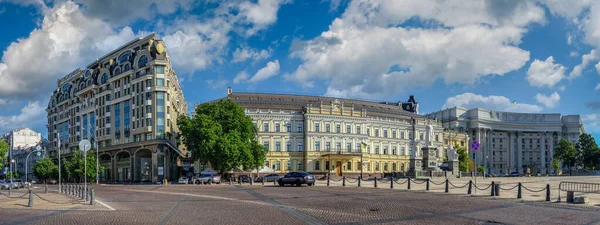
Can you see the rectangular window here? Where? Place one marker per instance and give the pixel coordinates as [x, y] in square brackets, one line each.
[376, 149]
[327, 127]
[393, 133]
[277, 165]
[368, 131]
[300, 168]
[278, 146]
[160, 114]
[126, 114]
[288, 146]
[376, 132]
[328, 146]
[385, 133]
[401, 134]
[357, 147]
[266, 145]
[288, 127]
[317, 127]
[277, 127]
[160, 69]
[289, 165]
[348, 129]
[317, 165]
[300, 147]
[338, 128]
[299, 126]
[338, 146]
[266, 127]
[394, 151]
[358, 129]
[160, 82]
[349, 166]
[317, 146]
[117, 116]
[348, 147]
[421, 136]
[385, 150]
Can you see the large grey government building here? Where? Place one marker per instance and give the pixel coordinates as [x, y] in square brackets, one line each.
[127, 103]
[512, 142]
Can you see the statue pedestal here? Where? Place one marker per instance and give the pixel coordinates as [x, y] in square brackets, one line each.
[415, 164]
[430, 162]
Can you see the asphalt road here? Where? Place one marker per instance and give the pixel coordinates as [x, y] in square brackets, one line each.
[225, 204]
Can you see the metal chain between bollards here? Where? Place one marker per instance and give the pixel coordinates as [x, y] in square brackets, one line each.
[534, 190]
[400, 182]
[349, 180]
[433, 182]
[16, 196]
[454, 186]
[508, 189]
[415, 181]
[58, 203]
[481, 189]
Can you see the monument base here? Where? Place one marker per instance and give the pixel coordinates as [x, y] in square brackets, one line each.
[430, 162]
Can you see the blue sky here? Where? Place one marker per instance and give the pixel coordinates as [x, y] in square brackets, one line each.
[541, 54]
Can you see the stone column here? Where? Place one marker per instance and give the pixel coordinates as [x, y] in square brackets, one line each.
[519, 152]
[551, 145]
[476, 158]
[543, 153]
[488, 152]
[113, 169]
[154, 170]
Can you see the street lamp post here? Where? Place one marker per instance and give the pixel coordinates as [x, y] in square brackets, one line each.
[37, 149]
[10, 163]
[84, 145]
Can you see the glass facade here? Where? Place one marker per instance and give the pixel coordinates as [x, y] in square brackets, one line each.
[126, 114]
[93, 123]
[117, 117]
[160, 82]
[160, 70]
[160, 114]
[85, 125]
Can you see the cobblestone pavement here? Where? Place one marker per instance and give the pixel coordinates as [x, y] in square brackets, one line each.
[269, 204]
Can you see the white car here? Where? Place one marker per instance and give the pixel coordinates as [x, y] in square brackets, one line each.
[184, 180]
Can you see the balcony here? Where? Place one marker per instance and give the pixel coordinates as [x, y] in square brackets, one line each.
[148, 115]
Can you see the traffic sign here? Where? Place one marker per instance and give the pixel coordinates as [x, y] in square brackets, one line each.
[84, 145]
[475, 145]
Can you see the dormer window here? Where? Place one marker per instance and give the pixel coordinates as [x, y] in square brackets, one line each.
[142, 61]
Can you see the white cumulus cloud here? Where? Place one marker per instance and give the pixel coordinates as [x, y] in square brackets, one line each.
[367, 52]
[492, 102]
[271, 69]
[591, 122]
[585, 60]
[550, 101]
[241, 77]
[33, 115]
[545, 73]
[245, 53]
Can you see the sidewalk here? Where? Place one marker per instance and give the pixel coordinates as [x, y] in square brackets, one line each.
[19, 199]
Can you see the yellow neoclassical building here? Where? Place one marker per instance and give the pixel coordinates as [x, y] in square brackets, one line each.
[320, 134]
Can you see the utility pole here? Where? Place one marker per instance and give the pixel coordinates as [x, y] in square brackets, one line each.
[59, 167]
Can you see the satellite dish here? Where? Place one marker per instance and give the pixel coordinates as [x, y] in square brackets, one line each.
[84, 145]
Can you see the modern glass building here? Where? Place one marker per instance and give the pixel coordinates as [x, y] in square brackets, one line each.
[126, 103]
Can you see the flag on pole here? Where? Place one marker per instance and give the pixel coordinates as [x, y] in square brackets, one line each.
[514, 102]
[363, 145]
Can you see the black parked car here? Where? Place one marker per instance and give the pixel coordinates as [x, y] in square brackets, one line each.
[297, 178]
[244, 178]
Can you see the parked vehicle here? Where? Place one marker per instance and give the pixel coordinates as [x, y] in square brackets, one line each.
[244, 178]
[183, 180]
[4, 185]
[297, 178]
[19, 182]
[205, 178]
[13, 184]
[271, 177]
[52, 181]
[514, 174]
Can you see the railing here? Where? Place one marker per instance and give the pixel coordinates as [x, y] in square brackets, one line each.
[572, 187]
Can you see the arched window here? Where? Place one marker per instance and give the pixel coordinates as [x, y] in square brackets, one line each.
[82, 86]
[142, 61]
[117, 71]
[124, 57]
[349, 165]
[104, 78]
[127, 67]
[87, 74]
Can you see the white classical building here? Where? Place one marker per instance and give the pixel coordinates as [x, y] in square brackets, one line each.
[22, 138]
[509, 141]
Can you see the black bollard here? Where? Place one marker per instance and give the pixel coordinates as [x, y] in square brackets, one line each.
[408, 183]
[46, 188]
[519, 191]
[446, 185]
[375, 184]
[251, 181]
[547, 192]
[344, 181]
[359, 179]
[427, 186]
[30, 203]
[263, 181]
[92, 197]
[229, 181]
[470, 187]
[392, 183]
[240, 181]
[497, 189]
[493, 187]
[327, 181]
[87, 192]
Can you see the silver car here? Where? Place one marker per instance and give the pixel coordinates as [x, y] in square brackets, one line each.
[183, 180]
[4, 185]
[205, 178]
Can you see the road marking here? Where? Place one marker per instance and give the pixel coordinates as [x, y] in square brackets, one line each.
[171, 212]
[201, 196]
[105, 205]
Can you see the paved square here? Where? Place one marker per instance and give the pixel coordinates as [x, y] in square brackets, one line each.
[269, 204]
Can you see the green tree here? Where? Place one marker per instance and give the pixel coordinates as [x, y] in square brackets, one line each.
[13, 175]
[566, 152]
[66, 168]
[91, 166]
[3, 152]
[221, 134]
[45, 169]
[481, 169]
[588, 151]
[555, 165]
[463, 159]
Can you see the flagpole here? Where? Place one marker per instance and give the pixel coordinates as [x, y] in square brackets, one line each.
[59, 168]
